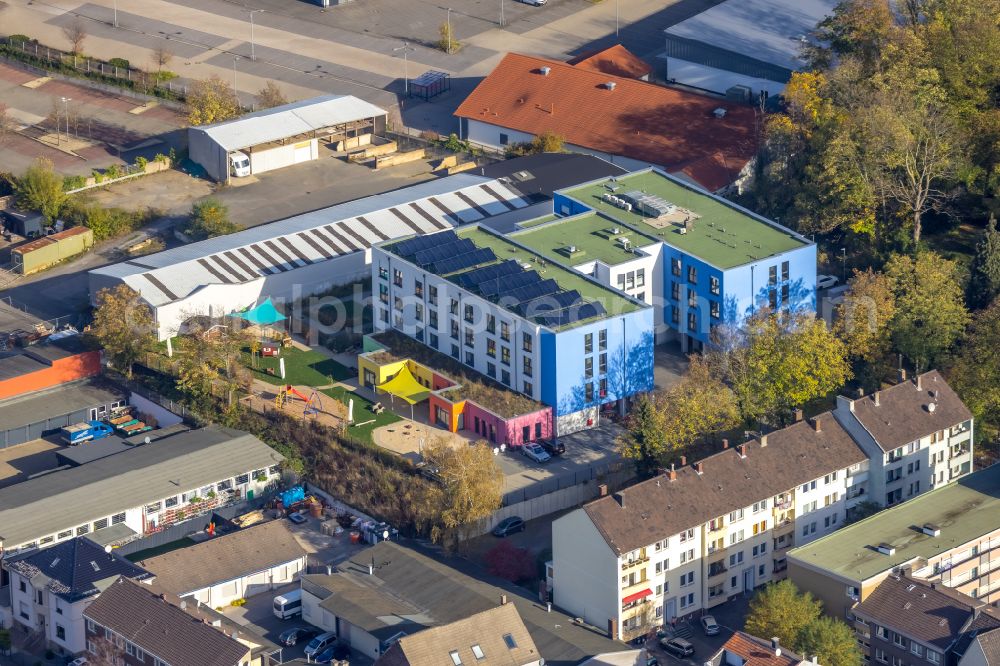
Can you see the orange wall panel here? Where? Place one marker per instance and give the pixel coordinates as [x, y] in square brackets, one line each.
[80, 366]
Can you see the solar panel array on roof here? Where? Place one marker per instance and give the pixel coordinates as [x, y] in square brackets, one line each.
[532, 291]
[492, 288]
[463, 261]
[549, 303]
[427, 257]
[409, 247]
[472, 279]
[572, 314]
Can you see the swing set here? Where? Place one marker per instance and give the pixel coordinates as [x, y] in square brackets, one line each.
[313, 404]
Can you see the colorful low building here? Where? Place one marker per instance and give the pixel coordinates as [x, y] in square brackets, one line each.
[395, 365]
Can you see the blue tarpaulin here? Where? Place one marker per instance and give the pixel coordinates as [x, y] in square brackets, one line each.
[264, 314]
[292, 495]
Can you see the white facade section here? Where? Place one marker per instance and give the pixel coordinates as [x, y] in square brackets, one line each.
[717, 80]
[41, 610]
[223, 592]
[585, 570]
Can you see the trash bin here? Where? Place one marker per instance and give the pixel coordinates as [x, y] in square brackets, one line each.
[355, 537]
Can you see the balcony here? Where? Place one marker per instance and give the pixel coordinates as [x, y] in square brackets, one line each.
[786, 526]
[715, 527]
[717, 569]
[783, 506]
[629, 564]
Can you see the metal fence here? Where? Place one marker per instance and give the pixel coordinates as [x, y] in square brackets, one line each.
[562, 481]
[102, 74]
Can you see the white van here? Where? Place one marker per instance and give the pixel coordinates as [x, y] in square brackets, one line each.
[288, 604]
[239, 164]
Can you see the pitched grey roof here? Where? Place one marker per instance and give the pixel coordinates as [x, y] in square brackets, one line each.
[989, 642]
[55, 402]
[488, 629]
[445, 592]
[76, 569]
[903, 416]
[933, 616]
[658, 508]
[162, 629]
[225, 557]
[68, 498]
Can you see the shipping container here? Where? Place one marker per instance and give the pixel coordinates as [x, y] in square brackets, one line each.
[39, 254]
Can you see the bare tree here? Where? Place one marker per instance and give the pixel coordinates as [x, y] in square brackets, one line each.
[6, 123]
[75, 34]
[271, 96]
[162, 57]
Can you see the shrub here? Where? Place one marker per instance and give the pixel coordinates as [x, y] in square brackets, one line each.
[119, 62]
[165, 75]
[73, 182]
[18, 38]
[238, 602]
[141, 162]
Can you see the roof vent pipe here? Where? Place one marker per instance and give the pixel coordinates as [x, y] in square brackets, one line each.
[776, 646]
[610, 85]
[544, 71]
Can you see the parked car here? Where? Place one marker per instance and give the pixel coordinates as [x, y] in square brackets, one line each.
[652, 661]
[320, 643]
[79, 661]
[535, 452]
[536, 3]
[709, 625]
[826, 281]
[296, 634]
[678, 647]
[553, 447]
[297, 518]
[508, 526]
[335, 652]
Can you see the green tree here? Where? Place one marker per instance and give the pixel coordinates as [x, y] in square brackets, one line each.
[831, 640]
[41, 189]
[780, 610]
[779, 361]
[472, 482]
[976, 372]
[447, 43]
[930, 312]
[123, 325]
[209, 217]
[645, 437]
[547, 142]
[212, 100]
[209, 359]
[984, 282]
[862, 510]
[863, 319]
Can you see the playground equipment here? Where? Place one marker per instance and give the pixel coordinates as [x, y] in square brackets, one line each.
[313, 404]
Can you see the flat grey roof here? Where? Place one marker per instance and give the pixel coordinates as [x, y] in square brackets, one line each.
[65, 399]
[68, 498]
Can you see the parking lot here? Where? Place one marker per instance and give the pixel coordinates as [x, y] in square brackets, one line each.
[730, 617]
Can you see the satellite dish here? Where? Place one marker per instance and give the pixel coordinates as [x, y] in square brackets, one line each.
[146, 440]
[385, 535]
[107, 549]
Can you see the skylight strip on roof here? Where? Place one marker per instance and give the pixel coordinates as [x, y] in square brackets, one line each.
[509, 193]
[328, 241]
[407, 221]
[298, 252]
[435, 222]
[350, 245]
[447, 211]
[267, 269]
[372, 228]
[496, 195]
[471, 203]
[311, 242]
[288, 261]
[461, 208]
[218, 259]
[211, 269]
[239, 262]
[346, 227]
[276, 265]
[159, 285]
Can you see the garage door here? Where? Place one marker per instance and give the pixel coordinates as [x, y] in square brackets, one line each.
[303, 151]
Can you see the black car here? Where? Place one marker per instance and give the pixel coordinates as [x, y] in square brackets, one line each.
[677, 646]
[508, 526]
[296, 634]
[553, 447]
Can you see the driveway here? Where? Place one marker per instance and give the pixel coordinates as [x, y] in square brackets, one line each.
[258, 615]
[730, 616]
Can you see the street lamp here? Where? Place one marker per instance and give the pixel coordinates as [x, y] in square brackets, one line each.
[843, 256]
[405, 48]
[235, 58]
[616, 16]
[116, 13]
[253, 54]
[501, 14]
[65, 101]
[451, 36]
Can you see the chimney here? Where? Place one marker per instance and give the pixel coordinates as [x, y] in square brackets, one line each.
[184, 605]
[612, 628]
[797, 414]
[742, 450]
[877, 397]
[684, 461]
[503, 599]
[610, 85]
[725, 444]
[544, 71]
[602, 490]
[917, 381]
[776, 646]
[671, 474]
[902, 375]
[620, 499]
[763, 441]
[861, 392]
[699, 467]
[817, 422]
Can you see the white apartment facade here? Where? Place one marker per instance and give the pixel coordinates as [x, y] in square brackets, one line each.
[918, 435]
[727, 522]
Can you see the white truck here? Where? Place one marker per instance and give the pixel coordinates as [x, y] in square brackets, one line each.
[239, 164]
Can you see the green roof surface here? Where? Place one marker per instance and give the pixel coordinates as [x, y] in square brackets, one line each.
[567, 278]
[964, 510]
[591, 235]
[723, 235]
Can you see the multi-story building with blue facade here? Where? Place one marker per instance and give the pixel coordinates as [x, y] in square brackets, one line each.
[699, 259]
[554, 334]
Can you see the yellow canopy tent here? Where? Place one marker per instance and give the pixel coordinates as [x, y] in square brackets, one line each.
[404, 385]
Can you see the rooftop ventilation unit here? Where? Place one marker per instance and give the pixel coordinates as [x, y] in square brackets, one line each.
[544, 71]
[886, 548]
[616, 230]
[650, 204]
[931, 530]
[719, 113]
[610, 85]
[571, 248]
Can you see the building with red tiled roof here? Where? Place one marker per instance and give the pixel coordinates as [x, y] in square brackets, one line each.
[742, 649]
[704, 140]
[615, 60]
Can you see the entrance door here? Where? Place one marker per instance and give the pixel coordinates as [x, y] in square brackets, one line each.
[670, 610]
[748, 580]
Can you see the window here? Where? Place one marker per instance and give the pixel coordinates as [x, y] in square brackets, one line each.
[478, 652]
[100, 524]
[491, 347]
[602, 339]
[714, 286]
[469, 314]
[82, 529]
[897, 661]
[772, 275]
[736, 515]
[602, 367]
[588, 367]
[880, 655]
[588, 390]
[242, 479]
[418, 288]
[675, 291]
[527, 366]
[455, 658]
[687, 579]
[692, 298]
[784, 270]
[505, 355]
[397, 277]
[432, 295]
[785, 294]
[772, 299]
[916, 648]
[470, 359]
[526, 342]
[687, 556]
[630, 280]
[675, 266]
[505, 331]
[91, 627]
[504, 139]
[491, 324]
[621, 281]
[470, 337]
[491, 370]
[692, 275]
[675, 314]
[692, 321]
[715, 310]
[735, 558]
[118, 518]
[881, 632]
[505, 377]
[640, 277]
[453, 307]
[933, 657]
[588, 343]
[898, 640]
[383, 293]
[735, 537]
[383, 272]
[529, 389]
[509, 641]
[686, 535]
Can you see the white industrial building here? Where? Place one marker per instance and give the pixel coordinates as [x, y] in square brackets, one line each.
[285, 135]
[309, 253]
[752, 43]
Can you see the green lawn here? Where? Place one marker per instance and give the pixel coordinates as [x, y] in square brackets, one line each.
[305, 368]
[362, 413]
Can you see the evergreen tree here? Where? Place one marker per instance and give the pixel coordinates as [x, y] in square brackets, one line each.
[984, 285]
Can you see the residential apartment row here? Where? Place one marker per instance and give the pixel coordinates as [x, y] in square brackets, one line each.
[696, 535]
